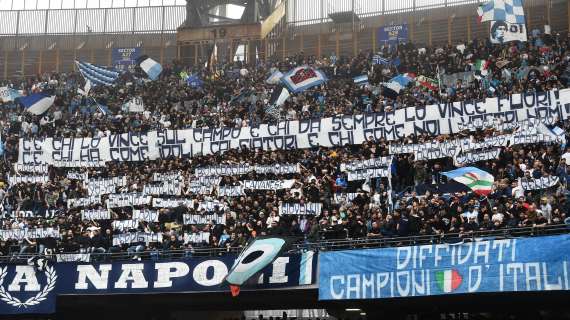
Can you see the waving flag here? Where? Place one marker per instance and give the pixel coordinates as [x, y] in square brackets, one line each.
[152, 68]
[279, 96]
[8, 94]
[429, 83]
[37, 103]
[274, 78]
[303, 78]
[86, 89]
[1, 146]
[256, 256]
[395, 85]
[194, 81]
[476, 179]
[97, 75]
[510, 11]
[378, 59]
[361, 80]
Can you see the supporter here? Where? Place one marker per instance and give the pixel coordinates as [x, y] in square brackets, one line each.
[410, 203]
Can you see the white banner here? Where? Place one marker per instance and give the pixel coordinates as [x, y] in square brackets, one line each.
[203, 190]
[96, 214]
[168, 176]
[127, 200]
[205, 181]
[73, 257]
[125, 225]
[540, 183]
[145, 215]
[104, 186]
[49, 214]
[197, 238]
[369, 173]
[32, 168]
[83, 202]
[171, 203]
[366, 164]
[268, 184]
[204, 218]
[300, 209]
[336, 131]
[245, 168]
[476, 156]
[134, 237]
[344, 197]
[78, 176]
[135, 105]
[231, 191]
[502, 31]
[12, 180]
[78, 164]
[21, 234]
[173, 187]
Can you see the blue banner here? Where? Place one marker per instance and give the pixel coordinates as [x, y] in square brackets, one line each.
[394, 34]
[506, 265]
[25, 290]
[125, 59]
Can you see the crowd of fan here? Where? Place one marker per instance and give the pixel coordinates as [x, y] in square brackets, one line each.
[236, 95]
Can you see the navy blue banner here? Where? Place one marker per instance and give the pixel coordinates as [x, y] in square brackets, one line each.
[125, 59]
[24, 289]
[506, 265]
[394, 34]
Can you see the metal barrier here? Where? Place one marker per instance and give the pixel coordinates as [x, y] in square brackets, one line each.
[322, 245]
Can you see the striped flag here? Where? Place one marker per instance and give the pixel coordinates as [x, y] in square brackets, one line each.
[98, 75]
[481, 182]
[448, 280]
[37, 103]
[429, 83]
[361, 80]
[378, 59]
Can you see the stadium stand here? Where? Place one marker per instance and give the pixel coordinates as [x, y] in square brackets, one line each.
[316, 130]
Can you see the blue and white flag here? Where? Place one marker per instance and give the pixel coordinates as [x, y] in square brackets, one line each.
[395, 85]
[194, 81]
[361, 80]
[97, 75]
[378, 59]
[274, 78]
[510, 11]
[1, 146]
[152, 68]
[8, 94]
[101, 108]
[303, 78]
[37, 103]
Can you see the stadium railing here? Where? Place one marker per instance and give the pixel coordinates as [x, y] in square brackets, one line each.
[321, 245]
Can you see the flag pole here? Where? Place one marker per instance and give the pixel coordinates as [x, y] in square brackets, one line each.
[438, 78]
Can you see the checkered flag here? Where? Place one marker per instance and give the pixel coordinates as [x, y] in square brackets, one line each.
[510, 11]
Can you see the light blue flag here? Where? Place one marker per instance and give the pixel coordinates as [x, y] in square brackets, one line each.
[1, 146]
[152, 68]
[97, 75]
